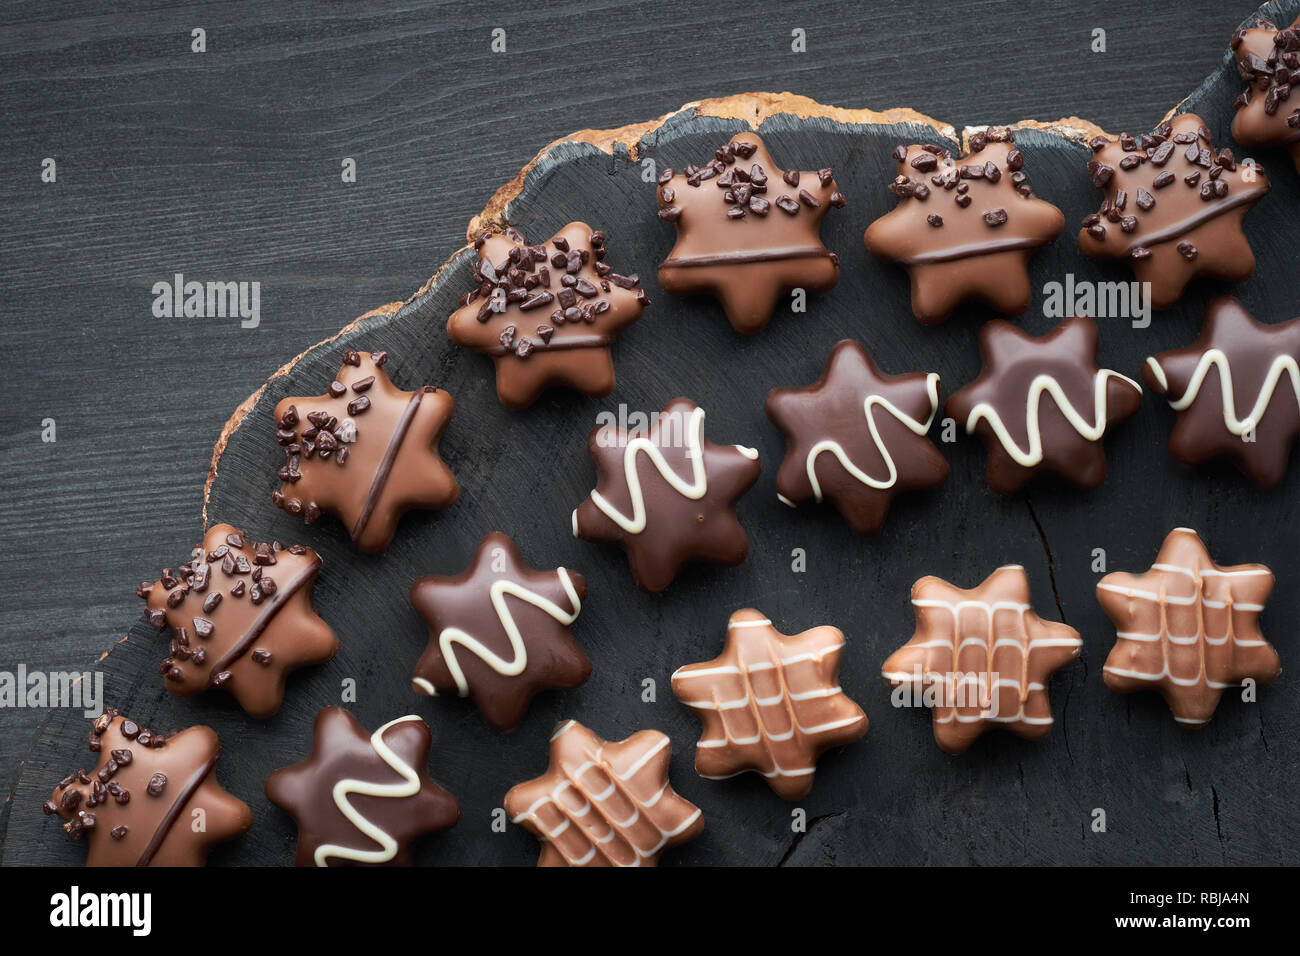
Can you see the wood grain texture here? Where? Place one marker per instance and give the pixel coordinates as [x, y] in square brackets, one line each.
[228, 168]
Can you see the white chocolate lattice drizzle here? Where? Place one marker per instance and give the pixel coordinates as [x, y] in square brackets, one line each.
[770, 702]
[982, 658]
[604, 804]
[1188, 628]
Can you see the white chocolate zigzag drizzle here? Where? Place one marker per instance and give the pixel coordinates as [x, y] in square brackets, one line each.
[695, 489]
[515, 665]
[342, 790]
[1281, 364]
[836, 449]
[1046, 383]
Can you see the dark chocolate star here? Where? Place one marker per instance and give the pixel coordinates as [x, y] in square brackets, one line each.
[1268, 59]
[242, 618]
[1042, 404]
[500, 632]
[1173, 207]
[151, 800]
[365, 451]
[362, 798]
[667, 494]
[747, 231]
[546, 314]
[964, 228]
[857, 437]
[1236, 390]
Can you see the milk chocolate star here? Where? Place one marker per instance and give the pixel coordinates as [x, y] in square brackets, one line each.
[500, 632]
[1173, 207]
[242, 618]
[546, 314]
[964, 228]
[365, 451]
[981, 658]
[151, 801]
[857, 437]
[361, 798]
[667, 494]
[1268, 59]
[748, 231]
[1188, 628]
[1043, 405]
[770, 703]
[602, 803]
[1236, 390]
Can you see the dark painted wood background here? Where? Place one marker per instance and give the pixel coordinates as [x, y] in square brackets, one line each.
[225, 165]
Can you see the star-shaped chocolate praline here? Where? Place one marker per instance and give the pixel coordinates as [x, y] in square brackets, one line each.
[365, 451]
[1043, 405]
[748, 231]
[546, 314]
[1173, 207]
[1268, 59]
[667, 494]
[360, 799]
[1236, 390]
[1188, 628]
[770, 703]
[500, 632]
[145, 800]
[241, 616]
[964, 228]
[604, 804]
[857, 437]
[981, 658]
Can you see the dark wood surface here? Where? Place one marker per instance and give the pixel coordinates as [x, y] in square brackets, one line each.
[225, 165]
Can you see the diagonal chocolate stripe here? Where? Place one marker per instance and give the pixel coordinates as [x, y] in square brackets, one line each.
[970, 250]
[559, 345]
[740, 258]
[277, 601]
[169, 818]
[386, 463]
[1211, 211]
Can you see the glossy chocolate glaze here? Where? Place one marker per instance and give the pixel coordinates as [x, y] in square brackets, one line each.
[379, 779]
[1268, 112]
[659, 527]
[877, 422]
[1173, 207]
[365, 451]
[1235, 390]
[747, 231]
[242, 619]
[989, 637]
[506, 629]
[561, 305]
[1062, 433]
[964, 227]
[140, 804]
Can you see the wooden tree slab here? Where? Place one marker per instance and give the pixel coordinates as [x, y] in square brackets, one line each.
[1169, 796]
